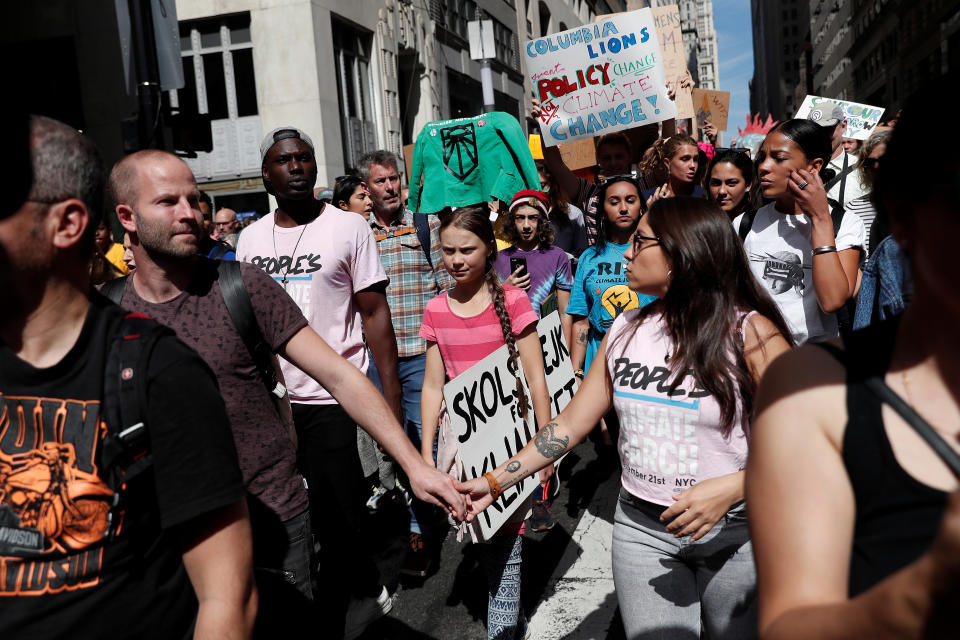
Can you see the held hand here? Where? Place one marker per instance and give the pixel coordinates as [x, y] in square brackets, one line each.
[437, 488]
[519, 281]
[477, 494]
[812, 198]
[700, 507]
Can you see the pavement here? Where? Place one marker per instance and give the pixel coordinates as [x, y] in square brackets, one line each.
[567, 585]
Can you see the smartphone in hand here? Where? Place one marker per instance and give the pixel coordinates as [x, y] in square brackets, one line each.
[517, 262]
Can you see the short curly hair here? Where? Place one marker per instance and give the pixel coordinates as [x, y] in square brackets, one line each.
[545, 234]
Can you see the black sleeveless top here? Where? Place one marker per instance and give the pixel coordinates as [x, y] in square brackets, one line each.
[897, 516]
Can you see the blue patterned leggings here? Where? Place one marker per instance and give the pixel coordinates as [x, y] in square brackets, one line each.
[501, 561]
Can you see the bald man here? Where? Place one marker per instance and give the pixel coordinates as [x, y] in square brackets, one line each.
[227, 227]
[158, 205]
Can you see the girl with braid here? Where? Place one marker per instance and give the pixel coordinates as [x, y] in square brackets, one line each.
[462, 326]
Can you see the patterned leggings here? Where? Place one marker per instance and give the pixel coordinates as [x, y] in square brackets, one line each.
[501, 560]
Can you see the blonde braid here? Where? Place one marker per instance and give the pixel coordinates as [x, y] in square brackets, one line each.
[500, 306]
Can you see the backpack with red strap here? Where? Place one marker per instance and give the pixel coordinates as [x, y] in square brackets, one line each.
[125, 451]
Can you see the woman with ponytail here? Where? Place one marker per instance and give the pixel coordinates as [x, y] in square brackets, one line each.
[678, 157]
[462, 326]
[810, 269]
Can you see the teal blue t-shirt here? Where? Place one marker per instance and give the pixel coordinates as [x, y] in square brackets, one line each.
[600, 293]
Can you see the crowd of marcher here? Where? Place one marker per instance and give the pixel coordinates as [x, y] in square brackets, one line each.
[766, 348]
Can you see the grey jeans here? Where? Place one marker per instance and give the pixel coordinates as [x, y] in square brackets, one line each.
[666, 585]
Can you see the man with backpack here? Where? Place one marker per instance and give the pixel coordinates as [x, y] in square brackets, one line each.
[121, 503]
[409, 246]
[156, 201]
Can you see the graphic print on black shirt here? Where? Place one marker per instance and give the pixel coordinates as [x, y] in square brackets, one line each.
[53, 505]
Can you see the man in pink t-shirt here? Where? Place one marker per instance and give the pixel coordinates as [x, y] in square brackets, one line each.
[327, 260]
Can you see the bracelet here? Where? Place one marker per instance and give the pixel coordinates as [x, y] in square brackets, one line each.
[827, 248]
[495, 489]
[578, 373]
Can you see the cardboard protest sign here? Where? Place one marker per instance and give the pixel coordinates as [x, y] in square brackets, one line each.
[861, 118]
[557, 363]
[667, 21]
[712, 106]
[579, 154]
[599, 78]
[484, 415]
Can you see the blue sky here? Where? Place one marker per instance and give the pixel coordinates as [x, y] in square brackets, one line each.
[731, 19]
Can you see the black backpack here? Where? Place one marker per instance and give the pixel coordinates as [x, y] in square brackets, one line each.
[125, 452]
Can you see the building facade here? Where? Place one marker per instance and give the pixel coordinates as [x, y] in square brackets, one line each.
[780, 32]
[897, 47]
[831, 37]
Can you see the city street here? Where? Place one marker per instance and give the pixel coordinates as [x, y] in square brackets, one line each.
[567, 580]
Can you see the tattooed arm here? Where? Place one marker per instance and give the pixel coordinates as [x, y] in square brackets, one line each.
[581, 330]
[591, 401]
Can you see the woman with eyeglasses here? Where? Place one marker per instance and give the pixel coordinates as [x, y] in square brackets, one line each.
[808, 265]
[681, 374]
[730, 181]
[679, 155]
[870, 153]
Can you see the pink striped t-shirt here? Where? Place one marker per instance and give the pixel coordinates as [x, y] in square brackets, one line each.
[463, 341]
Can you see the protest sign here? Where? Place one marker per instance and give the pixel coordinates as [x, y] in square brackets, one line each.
[712, 106]
[557, 363]
[667, 21]
[484, 415]
[485, 419]
[579, 154]
[861, 118]
[599, 78]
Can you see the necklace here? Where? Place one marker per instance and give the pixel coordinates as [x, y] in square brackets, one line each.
[293, 254]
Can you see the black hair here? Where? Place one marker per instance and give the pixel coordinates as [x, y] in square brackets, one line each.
[706, 256]
[742, 161]
[205, 197]
[601, 222]
[812, 139]
[344, 188]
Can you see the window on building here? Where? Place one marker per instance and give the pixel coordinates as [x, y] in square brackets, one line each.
[351, 50]
[218, 74]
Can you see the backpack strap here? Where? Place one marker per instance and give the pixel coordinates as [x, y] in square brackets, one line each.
[113, 289]
[125, 452]
[842, 176]
[836, 214]
[422, 223]
[237, 299]
[219, 250]
[746, 223]
[879, 388]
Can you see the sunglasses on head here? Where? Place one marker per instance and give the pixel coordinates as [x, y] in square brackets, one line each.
[719, 150]
[871, 163]
[623, 176]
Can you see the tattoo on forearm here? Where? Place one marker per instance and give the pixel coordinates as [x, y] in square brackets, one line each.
[582, 337]
[548, 444]
[513, 466]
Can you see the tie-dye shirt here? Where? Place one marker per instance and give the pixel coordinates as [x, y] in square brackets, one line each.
[549, 269]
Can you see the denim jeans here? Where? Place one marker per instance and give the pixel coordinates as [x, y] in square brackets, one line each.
[665, 585]
[410, 370]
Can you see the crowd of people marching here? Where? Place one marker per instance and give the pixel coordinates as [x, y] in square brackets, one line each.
[766, 348]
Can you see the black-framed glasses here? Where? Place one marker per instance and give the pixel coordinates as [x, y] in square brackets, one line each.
[638, 239]
[871, 163]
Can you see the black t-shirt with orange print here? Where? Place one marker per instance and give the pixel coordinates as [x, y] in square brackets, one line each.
[60, 573]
